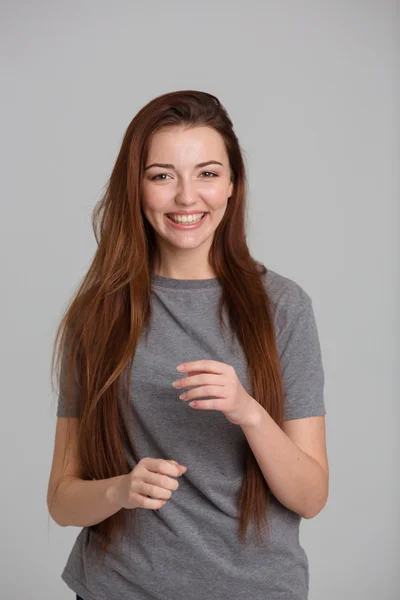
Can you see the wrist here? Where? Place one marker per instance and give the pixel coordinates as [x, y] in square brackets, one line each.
[111, 491]
[254, 415]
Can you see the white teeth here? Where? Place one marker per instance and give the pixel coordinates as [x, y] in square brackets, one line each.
[186, 219]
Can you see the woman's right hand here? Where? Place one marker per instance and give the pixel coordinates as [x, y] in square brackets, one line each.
[151, 477]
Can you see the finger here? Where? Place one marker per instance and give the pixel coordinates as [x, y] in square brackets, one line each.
[211, 366]
[204, 391]
[212, 404]
[201, 379]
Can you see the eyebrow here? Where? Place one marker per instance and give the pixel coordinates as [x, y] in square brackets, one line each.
[169, 166]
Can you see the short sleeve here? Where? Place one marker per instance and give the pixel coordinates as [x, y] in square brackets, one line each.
[301, 363]
[63, 408]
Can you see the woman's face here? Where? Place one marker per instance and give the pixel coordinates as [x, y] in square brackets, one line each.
[183, 186]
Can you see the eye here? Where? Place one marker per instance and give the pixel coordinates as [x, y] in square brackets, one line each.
[159, 175]
[156, 177]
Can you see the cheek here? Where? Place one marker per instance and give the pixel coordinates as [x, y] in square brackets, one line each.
[216, 196]
[156, 200]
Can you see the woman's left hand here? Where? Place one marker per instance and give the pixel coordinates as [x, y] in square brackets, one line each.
[218, 379]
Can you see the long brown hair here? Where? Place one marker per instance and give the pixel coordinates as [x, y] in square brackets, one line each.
[99, 332]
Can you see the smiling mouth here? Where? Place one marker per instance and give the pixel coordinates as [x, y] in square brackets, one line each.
[185, 222]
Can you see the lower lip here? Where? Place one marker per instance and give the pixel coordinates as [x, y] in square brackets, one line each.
[185, 227]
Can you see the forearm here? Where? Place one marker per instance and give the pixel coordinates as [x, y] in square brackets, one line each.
[295, 478]
[82, 503]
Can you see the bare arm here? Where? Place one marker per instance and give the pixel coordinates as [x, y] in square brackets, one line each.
[77, 501]
[293, 460]
[82, 503]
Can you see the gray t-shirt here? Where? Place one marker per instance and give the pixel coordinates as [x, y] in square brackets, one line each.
[189, 549]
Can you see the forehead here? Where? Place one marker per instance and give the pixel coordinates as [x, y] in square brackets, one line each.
[186, 143]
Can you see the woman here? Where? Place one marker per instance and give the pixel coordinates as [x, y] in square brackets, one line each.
[204, 492]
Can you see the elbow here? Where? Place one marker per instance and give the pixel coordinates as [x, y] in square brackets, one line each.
[314, 509]
[55, 518]
[53, 515]
[51, 504]
[312, 513]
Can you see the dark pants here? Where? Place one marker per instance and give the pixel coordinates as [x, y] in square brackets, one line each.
[78, 597]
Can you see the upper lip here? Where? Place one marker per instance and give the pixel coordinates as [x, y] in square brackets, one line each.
[186, 212]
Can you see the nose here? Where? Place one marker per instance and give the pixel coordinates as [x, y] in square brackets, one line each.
[185, 193]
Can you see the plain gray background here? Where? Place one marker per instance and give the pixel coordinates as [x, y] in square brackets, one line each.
[313, 92]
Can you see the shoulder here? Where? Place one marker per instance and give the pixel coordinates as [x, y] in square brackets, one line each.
[287, 298]
[283, 292]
